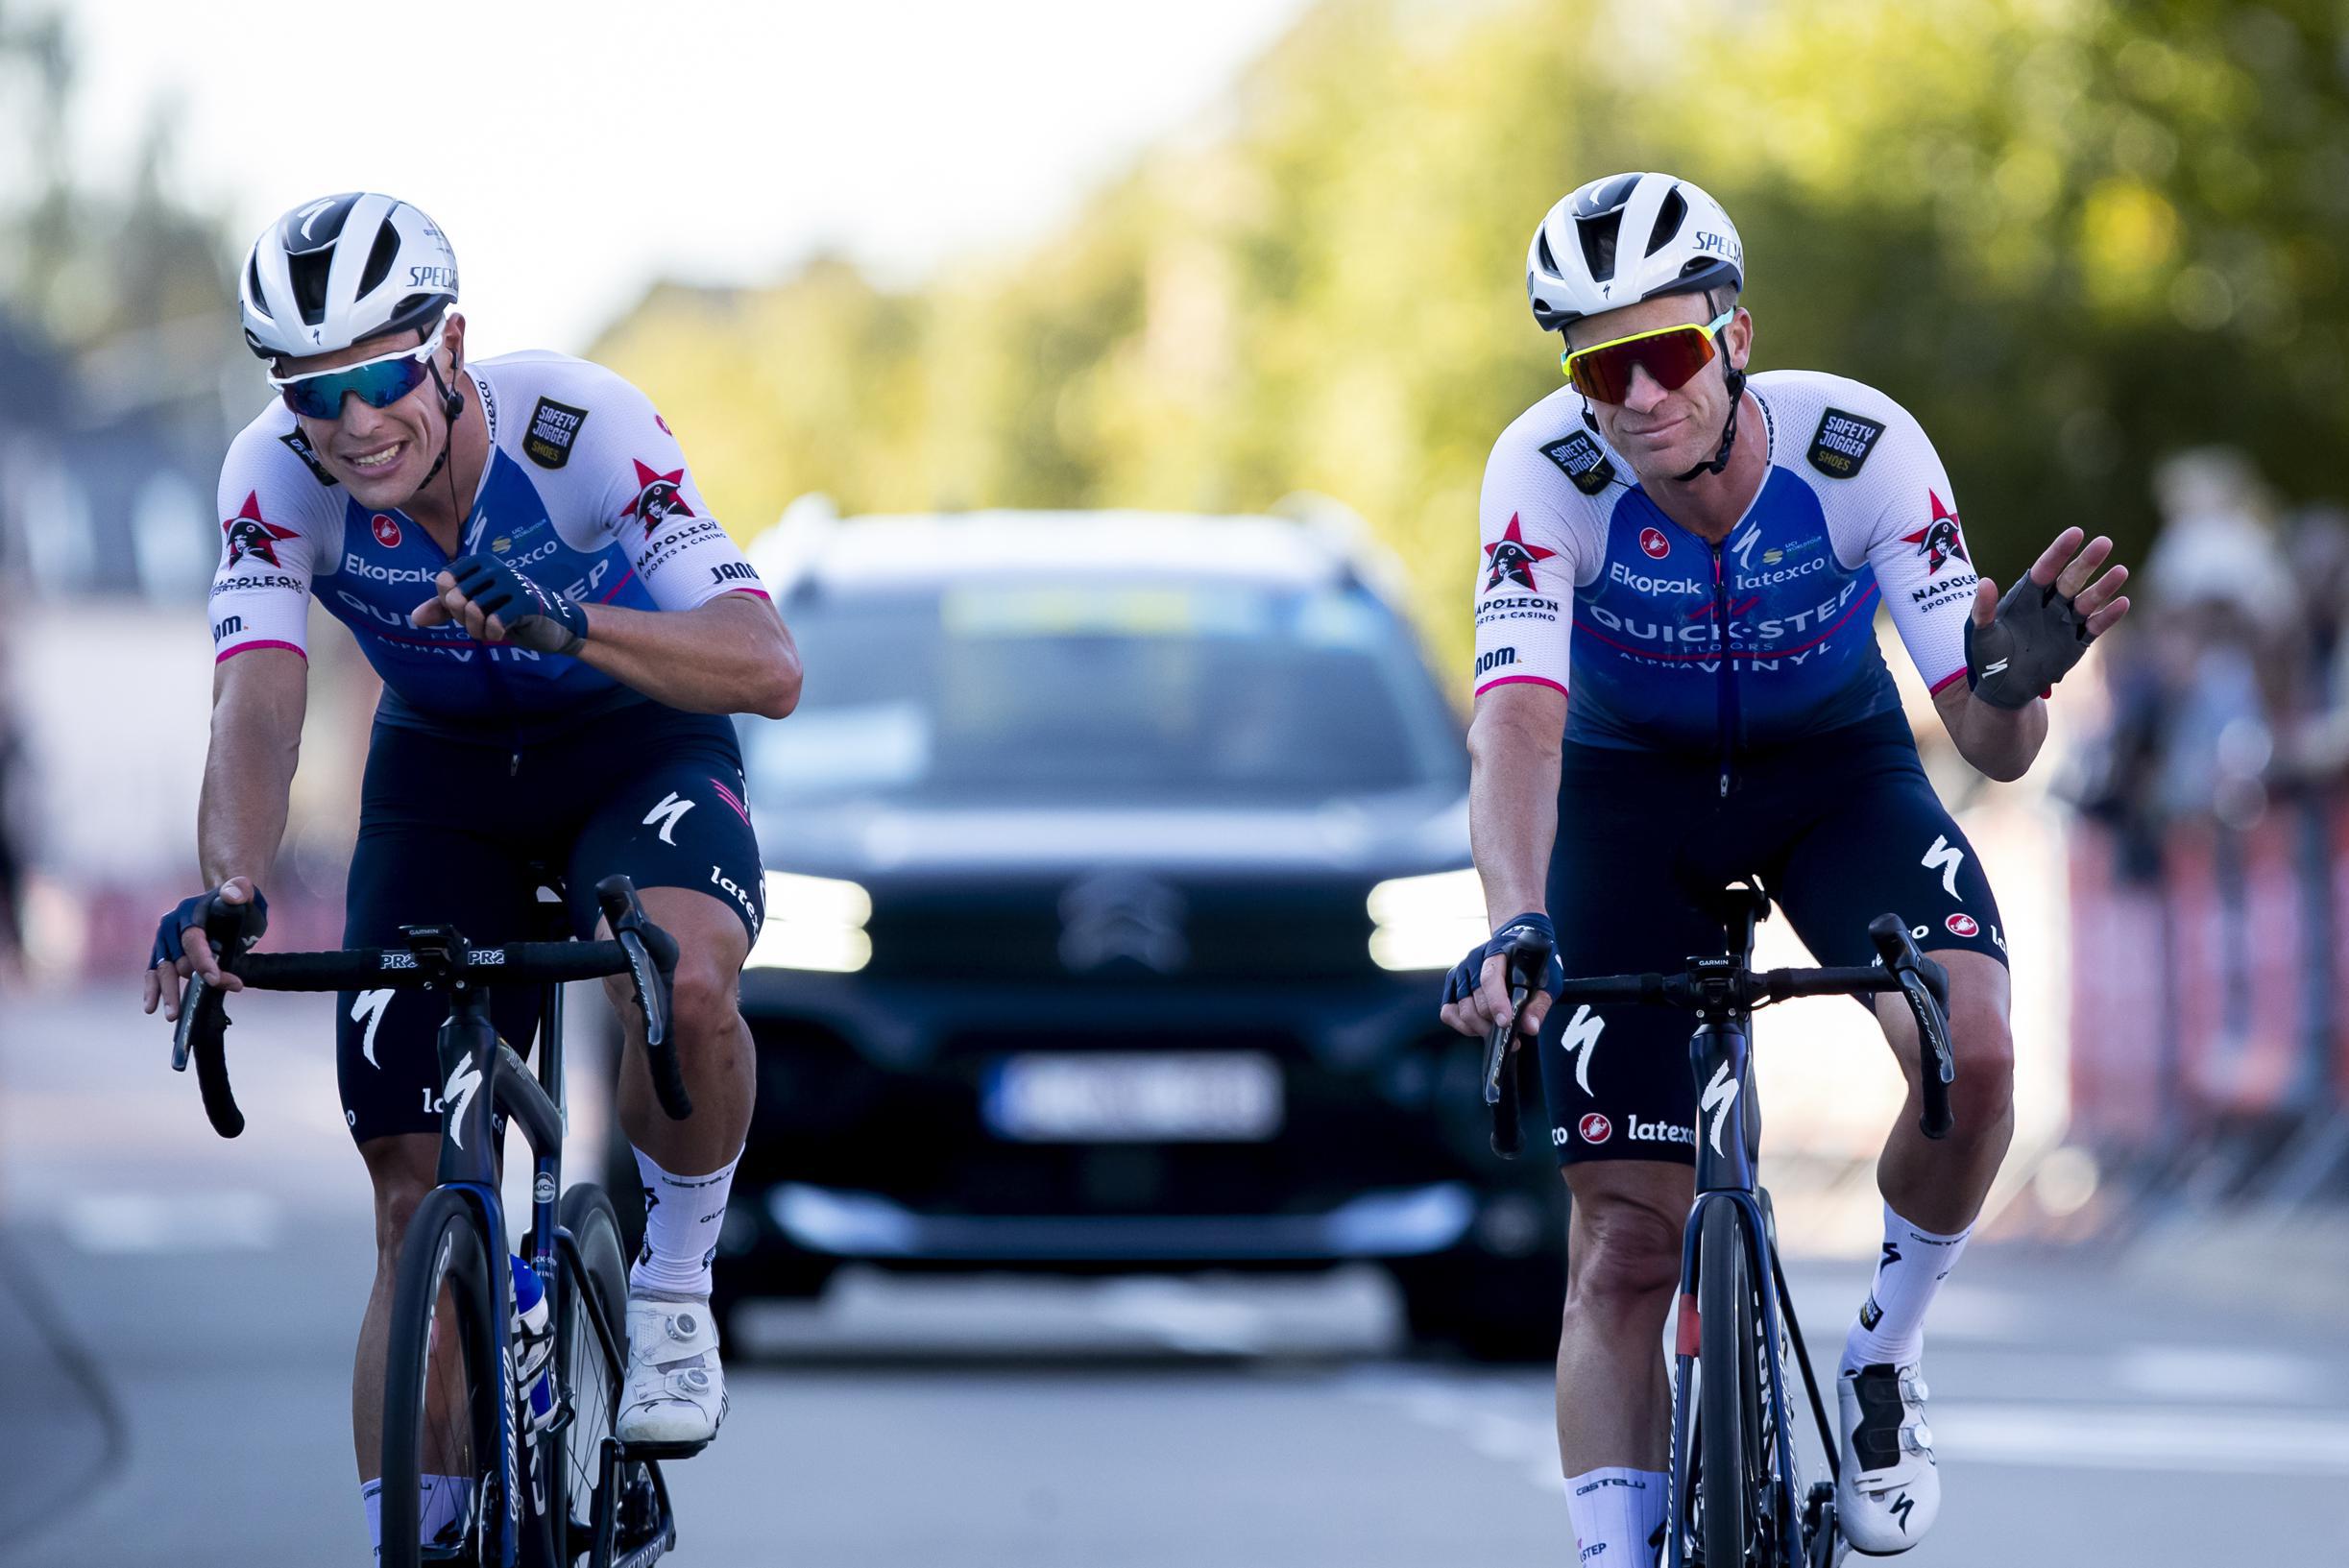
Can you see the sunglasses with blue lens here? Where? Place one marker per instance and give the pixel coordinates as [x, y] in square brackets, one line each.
[379, 382]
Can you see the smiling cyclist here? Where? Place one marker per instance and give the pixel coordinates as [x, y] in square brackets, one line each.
[1702, 552]
[561, 629]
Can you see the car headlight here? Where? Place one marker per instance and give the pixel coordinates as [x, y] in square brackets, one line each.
[813, 923]
[1420, 923]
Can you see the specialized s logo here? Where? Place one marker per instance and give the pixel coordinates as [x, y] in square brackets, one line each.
[1938, 540]
[672, 808]
[1944, 857]
[367, 1011]
[1513, 559]
[249, 535]
[458, 1094]
[1580, 1040]
[1719, 1096]
[658, 497]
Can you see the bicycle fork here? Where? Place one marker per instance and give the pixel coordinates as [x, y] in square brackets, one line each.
[1728, 1143]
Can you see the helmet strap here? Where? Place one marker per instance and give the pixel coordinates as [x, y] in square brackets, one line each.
[1736, 381]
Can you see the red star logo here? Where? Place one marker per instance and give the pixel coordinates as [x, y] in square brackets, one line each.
[1939, 540]
[1513, 559]
[658, 495]
[250, 534]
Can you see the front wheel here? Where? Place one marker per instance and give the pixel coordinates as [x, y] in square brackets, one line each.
[592, 1348]
[1729, 1395]
[444, 1397]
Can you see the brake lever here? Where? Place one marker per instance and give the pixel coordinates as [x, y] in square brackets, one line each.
[1529, 962]
[1924, 985]
[652, 966]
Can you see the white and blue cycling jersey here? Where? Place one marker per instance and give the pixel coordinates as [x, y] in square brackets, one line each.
[1586, 586]
[586, 492]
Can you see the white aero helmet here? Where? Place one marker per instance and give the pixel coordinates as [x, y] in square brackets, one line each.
[341, 268]
[1625, 238]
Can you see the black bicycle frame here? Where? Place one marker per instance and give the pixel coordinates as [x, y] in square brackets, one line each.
[1728, 1157]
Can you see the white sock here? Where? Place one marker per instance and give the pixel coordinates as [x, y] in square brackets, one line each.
[1908, 1274]
[682, 1216]
[441, 1500]
[444, 1502]
[1615, 1512]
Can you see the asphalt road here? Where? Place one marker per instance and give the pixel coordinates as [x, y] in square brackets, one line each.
[175, 1318]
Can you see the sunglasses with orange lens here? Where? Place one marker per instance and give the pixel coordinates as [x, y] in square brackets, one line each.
[1671, 355]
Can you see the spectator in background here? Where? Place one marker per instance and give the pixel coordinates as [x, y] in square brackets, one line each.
[2228, 608]
[2314, 747]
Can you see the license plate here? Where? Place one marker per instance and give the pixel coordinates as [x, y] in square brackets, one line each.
[1135, 1096]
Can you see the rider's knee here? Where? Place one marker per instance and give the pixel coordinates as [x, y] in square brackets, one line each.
[1984, 1045]
[400, 1185]
[1623, 1252]
[707, 997]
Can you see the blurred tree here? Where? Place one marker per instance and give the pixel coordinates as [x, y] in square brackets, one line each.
[2069, 234]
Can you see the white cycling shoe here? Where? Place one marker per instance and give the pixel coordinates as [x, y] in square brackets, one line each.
[676, 1390]
[1888, 1491]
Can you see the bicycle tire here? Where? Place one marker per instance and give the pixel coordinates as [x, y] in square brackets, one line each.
[1729, 1422]
[455, 1413]
[592, 1349]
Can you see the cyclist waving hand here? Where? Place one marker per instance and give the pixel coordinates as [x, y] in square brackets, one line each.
[561, 629]
[1697, 555]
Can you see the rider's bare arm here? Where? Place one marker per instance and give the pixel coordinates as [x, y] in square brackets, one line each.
[1515, 743]
[1513, 748]
[2001, 742]
[732, 655]
[257, 702]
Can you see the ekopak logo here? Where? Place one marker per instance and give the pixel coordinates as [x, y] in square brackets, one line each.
[1652, 540]
[1961, 924]
[1595, 1128]
[387, 530]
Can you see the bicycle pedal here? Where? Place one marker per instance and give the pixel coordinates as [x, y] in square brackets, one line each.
[636, 1452]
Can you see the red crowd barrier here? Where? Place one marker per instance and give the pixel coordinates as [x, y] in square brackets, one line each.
[2203, 996]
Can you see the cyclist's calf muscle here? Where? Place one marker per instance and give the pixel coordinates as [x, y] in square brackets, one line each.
[1941, 1184]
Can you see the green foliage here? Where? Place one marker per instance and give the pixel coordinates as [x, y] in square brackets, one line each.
[2069, 234]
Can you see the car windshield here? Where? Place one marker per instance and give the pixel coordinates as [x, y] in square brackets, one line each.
[994, 691]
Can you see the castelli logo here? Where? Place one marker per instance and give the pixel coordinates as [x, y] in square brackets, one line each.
[1595, 1128]
[1961, 925]
[387, 530]
[1652, 540]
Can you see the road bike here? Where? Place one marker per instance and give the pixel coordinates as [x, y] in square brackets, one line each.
[551, 1483]
[1736, 1496]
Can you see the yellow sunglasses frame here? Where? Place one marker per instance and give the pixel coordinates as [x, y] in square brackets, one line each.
[1566, 361]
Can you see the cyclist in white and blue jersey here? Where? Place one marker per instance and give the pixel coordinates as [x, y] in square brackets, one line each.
[1698, 556]
[561, 628]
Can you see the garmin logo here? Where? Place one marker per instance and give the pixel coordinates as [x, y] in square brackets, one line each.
[359, 566]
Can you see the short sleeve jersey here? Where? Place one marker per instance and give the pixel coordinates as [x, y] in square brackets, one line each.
[1666, 642]
[586, 492]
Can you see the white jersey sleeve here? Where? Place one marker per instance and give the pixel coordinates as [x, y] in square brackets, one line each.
[1542, 535]
[622, 478]
[280, 520]
[1901, 519]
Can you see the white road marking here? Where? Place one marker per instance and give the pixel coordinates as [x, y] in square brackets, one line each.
[231, 1221]
[1507, 1425]
[2219, 1373]
[2142, 1438]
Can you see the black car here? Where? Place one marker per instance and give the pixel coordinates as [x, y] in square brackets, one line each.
[1114, 860]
